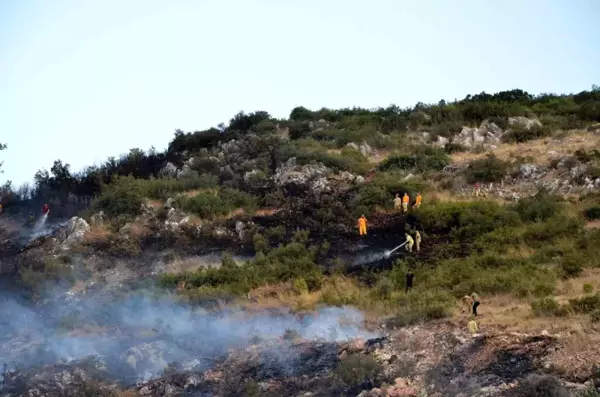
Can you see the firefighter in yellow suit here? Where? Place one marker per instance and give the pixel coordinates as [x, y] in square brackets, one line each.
[405, 200]
[362, 225]
[418, 201]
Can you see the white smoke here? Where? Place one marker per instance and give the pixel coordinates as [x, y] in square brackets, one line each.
[144, 333]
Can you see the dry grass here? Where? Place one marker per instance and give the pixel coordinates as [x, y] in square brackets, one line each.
[138, 231]
[537, 149]
[98, 234]
[568, 289]
[278, 295]
[156, 204]
[195, 192]
[379, 156]
[232, 214]
[334, 288]
[267, 211]
[508, 313]
[128, 393]
[192, 264]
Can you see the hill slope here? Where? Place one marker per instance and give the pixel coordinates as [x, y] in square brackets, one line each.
[262, 214]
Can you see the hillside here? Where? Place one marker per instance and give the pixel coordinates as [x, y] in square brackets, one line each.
[231, 264]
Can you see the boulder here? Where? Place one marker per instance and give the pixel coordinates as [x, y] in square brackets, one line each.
[169, 203]
[310, 176]
[523, 122]
[186, 170]
[242, 228]
[441, 141]
[168, 171]
[528, 171]
[348, 177]
[74, 232]
[366, 150]
[486, 133]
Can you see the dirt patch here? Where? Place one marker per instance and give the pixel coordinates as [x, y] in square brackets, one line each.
[593, 224]
[267, 211]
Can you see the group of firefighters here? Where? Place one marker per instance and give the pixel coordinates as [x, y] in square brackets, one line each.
[471, 301]
[399, 203]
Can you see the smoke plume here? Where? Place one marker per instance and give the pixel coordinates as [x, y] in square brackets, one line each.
[139, 334]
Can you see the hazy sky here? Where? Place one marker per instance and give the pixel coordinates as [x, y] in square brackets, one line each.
[81, 80]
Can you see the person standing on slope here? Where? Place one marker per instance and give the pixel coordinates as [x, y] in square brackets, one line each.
[405, 200]
[409, 281]
[418, 201]
[397, 202]
[362, 225]
[45, 209]
[472, 326]
[475, 300]
[418, 240]
[409, 242]
[477, 189]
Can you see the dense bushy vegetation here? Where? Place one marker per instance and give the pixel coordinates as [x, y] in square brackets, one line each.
[478, 246]
[482, 246]
[328, 130]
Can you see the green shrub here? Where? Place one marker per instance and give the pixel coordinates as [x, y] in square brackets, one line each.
[209, 205]
[586, 304]
[548, 307]
[595, 316]
[588, 288]
[119, 199]
[421, 159]
[572, 265]
[540, 386]
[285, 263]
[357, 368]
[488, 169]
[541, 234]
[454, 148]
[228, 262]
[300, 286]
[384, 288]
[426, 305]
[299, 129]
[592, 213]
[586, 156]
[260, 243]
[521, 134]
[540, 207]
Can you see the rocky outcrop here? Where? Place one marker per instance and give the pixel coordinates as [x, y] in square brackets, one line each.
[311, 176]
[364, 148]
[168, 171]
[486, 134]
[523, 122]
[73, 233]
